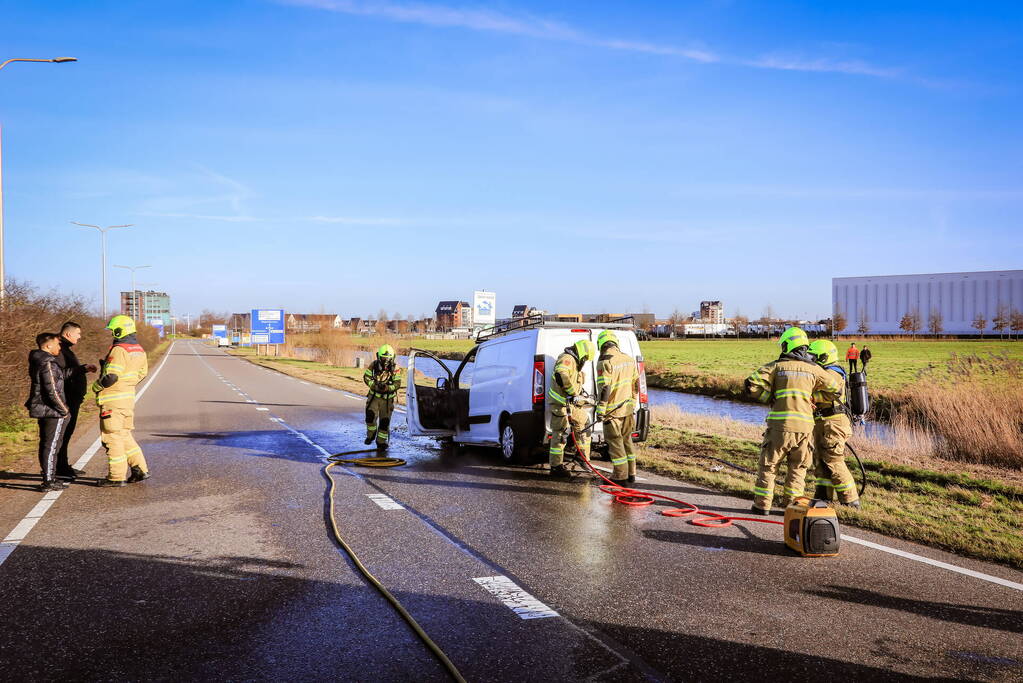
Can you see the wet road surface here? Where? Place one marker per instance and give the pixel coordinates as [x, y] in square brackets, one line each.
[222, 567]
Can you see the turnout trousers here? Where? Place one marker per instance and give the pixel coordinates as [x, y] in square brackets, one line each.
[561, 420]
[378, 418]
[115, 426]
[833, 475]
[51, 433]
[618, 434]
[792, 447]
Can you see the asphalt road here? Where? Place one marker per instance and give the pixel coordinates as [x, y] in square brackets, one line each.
[222, 566]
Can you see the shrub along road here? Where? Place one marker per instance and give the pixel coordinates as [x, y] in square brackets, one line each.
[221, 566]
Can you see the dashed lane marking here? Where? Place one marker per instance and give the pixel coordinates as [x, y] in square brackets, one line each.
[29, 521]
[386, 502]
[520, 602]
[263, 409]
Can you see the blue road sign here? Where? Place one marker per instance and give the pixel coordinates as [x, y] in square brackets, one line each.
[267, 326]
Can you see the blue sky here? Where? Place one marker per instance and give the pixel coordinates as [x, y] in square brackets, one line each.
[579, 156]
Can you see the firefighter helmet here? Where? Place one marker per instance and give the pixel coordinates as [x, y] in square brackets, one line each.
[121, 326]
[825, 351]
[792, 339]
[585, 349]
[606, 337]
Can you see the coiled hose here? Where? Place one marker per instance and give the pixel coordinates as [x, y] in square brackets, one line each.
[380, 461]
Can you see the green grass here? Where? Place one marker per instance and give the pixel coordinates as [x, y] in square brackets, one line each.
[967, 515]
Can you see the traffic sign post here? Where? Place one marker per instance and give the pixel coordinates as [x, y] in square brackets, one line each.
[267, 326]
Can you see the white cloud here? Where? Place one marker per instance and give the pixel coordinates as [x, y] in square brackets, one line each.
[537, 27]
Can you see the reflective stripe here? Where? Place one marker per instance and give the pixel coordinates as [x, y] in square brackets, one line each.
[601, 380]
[765, 397]
[824, 482]
[114, 368]
[114, 461]
[793, 392]
[557, 450]
[135, 450]
[793, 492]
[619, 461]
[788, 414]
[106, 398]
[844, 487]
[558, 398]
[631, 458]
[761, 492]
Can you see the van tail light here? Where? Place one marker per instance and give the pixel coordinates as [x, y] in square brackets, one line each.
[539, 370]
[643, 398]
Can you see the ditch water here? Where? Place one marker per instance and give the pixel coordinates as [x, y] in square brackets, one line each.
[694, 404]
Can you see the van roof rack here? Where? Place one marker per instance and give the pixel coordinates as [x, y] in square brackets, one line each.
[533, 321]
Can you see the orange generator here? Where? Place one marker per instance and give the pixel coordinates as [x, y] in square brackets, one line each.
[811, 528]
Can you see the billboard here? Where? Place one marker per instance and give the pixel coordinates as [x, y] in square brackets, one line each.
[267, 326]
[157, 324]
[484, 308]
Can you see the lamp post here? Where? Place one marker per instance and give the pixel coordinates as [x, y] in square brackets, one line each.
[3, 278]
[103, 261]
[134, 292]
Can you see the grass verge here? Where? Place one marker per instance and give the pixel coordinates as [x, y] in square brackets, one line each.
[971, 516]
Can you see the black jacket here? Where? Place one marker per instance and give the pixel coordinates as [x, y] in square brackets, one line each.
[46, 397]
[865, 355]
[76, 380]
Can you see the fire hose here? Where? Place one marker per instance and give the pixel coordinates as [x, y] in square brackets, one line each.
[338, 459]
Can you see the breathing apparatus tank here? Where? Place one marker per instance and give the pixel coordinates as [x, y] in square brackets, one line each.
[859, 397]
[811, 528]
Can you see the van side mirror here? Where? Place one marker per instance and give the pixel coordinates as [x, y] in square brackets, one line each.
[442, 383]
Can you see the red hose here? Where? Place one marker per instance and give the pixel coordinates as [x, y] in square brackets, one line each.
[638, 498]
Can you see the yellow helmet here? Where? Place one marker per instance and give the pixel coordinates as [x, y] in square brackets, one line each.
[121, 326]
[606, 337]
[792, 339]
[825, 351]
[586, 350]
[385, 352]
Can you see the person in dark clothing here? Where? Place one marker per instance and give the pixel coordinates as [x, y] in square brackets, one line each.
[76, 384]
[865, 355]
[47, 404]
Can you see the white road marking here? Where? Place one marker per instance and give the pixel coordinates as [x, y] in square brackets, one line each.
[935, 563]
[263, 409]
[386, 502]
[20, 531]
[520, 602]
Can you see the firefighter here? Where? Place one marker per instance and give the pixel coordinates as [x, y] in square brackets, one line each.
[568, 404]
[383, 377]
[831, 430]
[618, 392]
[790, 384]
[124, 366]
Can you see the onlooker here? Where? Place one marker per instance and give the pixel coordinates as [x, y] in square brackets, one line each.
[865, 356]
[851, 355]
[47, 404]
[76, 383]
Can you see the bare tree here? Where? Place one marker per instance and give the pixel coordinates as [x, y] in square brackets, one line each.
[382, 319]
[740, 323]
[674, 320]
[838, 322]
[1002, 319]
[864, 326]
[980, 324]
[910, 322]
[1016, 322]
[936, 322]
[768, 319]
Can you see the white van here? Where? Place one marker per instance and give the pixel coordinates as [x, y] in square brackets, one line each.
[497, 395]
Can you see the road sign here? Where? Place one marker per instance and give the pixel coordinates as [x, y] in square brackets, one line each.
[484, 308]
[157, 323]
[267, 326]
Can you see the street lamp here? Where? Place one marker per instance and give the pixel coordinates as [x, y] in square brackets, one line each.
[103, 261]
[134, 292]
[3, 278]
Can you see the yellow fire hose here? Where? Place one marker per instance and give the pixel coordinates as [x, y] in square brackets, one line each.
[379, 461]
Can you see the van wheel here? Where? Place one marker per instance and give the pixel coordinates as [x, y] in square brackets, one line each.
[512, 449]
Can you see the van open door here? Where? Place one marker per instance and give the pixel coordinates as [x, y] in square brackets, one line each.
[430, 411]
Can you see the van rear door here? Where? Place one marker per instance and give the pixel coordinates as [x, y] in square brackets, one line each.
[430, 411]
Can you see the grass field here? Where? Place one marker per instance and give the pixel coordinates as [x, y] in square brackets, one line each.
[894, 364]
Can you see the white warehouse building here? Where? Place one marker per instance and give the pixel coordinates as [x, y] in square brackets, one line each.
[958, 297]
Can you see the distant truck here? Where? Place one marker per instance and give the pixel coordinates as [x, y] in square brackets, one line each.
[220, 335]
[223, 341]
